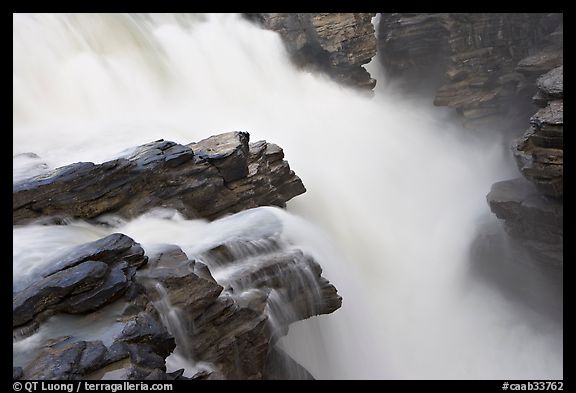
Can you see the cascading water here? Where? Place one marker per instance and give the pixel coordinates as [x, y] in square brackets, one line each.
[396, 187]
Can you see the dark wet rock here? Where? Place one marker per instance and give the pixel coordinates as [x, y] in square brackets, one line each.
[188, 285]
[145, 329]
[232, 325]
[71, 361]
[415, 47]
[159, 375]
[550, 87]
[531, 218]
[84, 279]
[540, 62]
[16, 373]
[335, 43]
[227, 152]
[280, 366]
[82, 359]
[482, 64]
[296, 278]
[116, 352]
[145, 361]
[111, 288]
[51, 290]
[109, 249]
[265, 287]
[93, 357]
[226, 175]
[202, 375]
[539, 152]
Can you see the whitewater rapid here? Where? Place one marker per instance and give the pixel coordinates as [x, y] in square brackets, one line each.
[395, 189]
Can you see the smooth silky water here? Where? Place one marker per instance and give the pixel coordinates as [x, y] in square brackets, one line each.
[395, 188]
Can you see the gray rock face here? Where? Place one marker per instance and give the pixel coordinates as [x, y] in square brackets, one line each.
[109, 249]
[550, 86]
[52, 290]
[233, 324]
[85, 279]
[67, 362]
[479, 63]
[280, 366]
[335, 43]
[226, 176]
[531, 218]
[539, 152]
[533, 211]
[17, 373]
[145, 329]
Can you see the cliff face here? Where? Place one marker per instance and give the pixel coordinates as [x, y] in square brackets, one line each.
[481, 64]
[492, 68]
[532, 208]
[539, 152]
[335, 43]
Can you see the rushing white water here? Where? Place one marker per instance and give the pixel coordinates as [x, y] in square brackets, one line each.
[397, 189]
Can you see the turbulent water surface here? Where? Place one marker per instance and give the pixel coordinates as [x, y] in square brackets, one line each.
[395, 200]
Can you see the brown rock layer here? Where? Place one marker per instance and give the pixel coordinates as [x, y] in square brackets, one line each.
[539, 152]
[479, 63]
[335, 43]
[217, 176]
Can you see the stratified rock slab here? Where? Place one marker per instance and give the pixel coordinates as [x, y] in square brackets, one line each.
[539, 152]
[226, 175]
[531, 218]
[85, 279]
[336, 43]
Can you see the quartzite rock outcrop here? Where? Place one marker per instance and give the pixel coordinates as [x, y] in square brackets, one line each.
[169, 303]
[540, 151]
[533, 221]
[335, 43]
[488, 66]
[481, 64]
[85, 279]
[216, 176]
[232, 326]
[533, 209]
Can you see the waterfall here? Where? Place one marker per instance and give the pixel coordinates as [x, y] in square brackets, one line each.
[395, 189]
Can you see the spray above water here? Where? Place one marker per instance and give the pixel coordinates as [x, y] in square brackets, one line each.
[396, 188]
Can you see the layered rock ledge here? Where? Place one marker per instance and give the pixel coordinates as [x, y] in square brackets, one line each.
[532, 208]
[219, 175]
[223, 307]
[530, 218]
[482, 64]
[539, 152]
[335, 43]
[174, 306]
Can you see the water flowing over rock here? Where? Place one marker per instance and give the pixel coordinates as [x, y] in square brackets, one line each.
[86, 278]
[233, 323]
[335, 43]
[175, 306]
[481, 64]
[220, 175]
